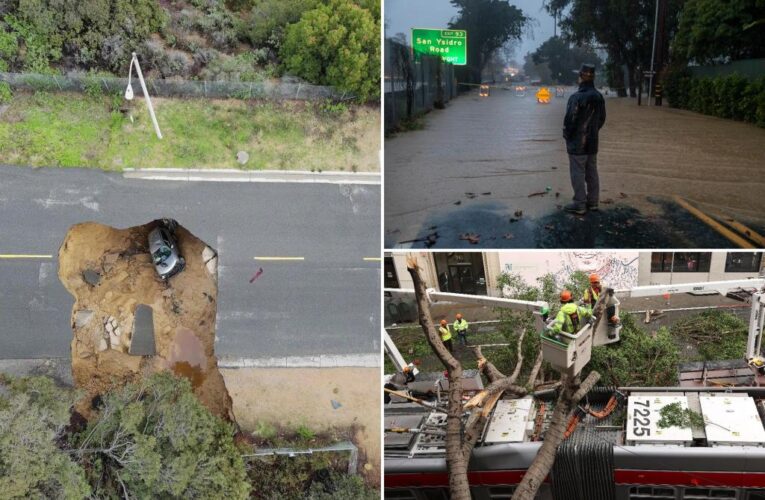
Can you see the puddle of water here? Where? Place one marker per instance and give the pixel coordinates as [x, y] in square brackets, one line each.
[187, 357]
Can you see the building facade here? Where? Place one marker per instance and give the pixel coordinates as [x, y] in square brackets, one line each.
[477, 272]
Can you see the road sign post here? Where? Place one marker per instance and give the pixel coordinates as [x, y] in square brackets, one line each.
[449, 45]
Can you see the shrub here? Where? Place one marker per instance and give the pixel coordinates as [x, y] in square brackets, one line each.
[239, 68]
[9, 48]
[158, 439]
[265, 24]
[33, 416]
[95, 33]
[336, 44]
[731, 96]
[5, 93]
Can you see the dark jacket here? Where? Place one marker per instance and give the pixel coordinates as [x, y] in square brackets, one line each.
[585, 114]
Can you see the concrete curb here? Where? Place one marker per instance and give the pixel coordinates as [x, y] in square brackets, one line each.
[232, 175]
[321, 361]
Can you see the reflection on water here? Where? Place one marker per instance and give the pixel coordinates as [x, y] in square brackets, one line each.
[187, 357]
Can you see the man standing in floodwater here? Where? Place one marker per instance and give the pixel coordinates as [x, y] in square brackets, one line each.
[585, 115]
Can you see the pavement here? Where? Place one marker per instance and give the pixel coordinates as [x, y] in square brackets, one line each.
[493, 173]
[317, 245]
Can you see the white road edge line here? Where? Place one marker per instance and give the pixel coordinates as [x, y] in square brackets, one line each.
[273, 176]
[322, 361]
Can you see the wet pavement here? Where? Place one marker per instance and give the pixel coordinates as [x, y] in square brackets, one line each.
[490, 225]
[493, 173]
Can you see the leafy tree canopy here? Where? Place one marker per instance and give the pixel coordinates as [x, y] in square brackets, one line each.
[713, 31]
[154, 438]
[33, 416]
[489, 25]
[563, 59]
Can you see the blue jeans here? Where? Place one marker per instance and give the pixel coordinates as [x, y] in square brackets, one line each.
[584, 179]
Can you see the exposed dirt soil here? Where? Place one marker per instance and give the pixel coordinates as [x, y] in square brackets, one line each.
[118, 266]
[305, 396]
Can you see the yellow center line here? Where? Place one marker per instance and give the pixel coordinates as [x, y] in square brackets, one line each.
[372, 259]
[279, 258]
[23, 256]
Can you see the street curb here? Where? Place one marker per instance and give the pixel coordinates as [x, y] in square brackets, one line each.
[232, 175]
[321, 361]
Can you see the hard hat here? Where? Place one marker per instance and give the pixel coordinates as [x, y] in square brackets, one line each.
[443, 322]
[459, 316]
[594, 278]
[565, 296]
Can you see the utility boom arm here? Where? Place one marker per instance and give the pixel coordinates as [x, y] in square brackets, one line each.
[721, 287]
[757, 315]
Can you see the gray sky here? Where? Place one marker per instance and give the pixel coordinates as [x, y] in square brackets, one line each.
[403, 15]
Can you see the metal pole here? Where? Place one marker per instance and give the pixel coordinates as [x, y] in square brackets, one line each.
[146, 95]
[653, 51]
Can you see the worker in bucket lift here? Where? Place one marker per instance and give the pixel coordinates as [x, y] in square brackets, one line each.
[461, 327]
[591, 296]
[571, 317]
[446, 335]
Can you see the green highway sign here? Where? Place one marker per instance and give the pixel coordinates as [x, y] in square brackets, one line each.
[450, 45]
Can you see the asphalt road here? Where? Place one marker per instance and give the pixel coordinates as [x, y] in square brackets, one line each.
[493, 172]
[327, 303]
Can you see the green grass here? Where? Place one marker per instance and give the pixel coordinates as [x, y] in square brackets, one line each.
[73, 130]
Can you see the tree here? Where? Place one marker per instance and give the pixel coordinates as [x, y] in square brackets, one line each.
[623, 28]
[490, 24]
[563, 60]
[715, 31]
[461, 436]
[34, 414]
[336, 44]
[155, 439]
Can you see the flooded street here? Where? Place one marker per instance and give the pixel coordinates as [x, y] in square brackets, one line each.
[495, 170]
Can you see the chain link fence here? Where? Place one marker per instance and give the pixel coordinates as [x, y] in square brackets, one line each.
[267, 89]
[414, 85]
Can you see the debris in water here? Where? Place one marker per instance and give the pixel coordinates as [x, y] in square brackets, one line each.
[508, 236]
[471, 237]
[557, 194]
[335, 404]
[429, 240]
[487, 193]
[458, 202]
[518, 213]
[538, 193]
[623, 195]
[470, 195]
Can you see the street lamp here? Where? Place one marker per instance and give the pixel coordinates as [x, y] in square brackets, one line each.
[129, 91]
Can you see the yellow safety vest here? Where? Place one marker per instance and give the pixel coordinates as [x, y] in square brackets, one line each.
[591, 296]
[460, 325]
[445, 333]
[570, 318]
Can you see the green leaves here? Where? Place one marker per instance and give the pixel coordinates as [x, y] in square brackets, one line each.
[637, 359]
[336, 44]
[33, 415]
[156, 439]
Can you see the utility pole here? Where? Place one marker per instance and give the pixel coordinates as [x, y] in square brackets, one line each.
[660, 43]
[653, 52]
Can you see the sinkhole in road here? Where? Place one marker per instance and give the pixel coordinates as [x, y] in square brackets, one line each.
[127, 322]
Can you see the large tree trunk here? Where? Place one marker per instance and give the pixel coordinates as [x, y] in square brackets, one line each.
[570, 394]
[456, 462]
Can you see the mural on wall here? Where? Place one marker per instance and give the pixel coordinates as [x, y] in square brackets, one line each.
[616, 269]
